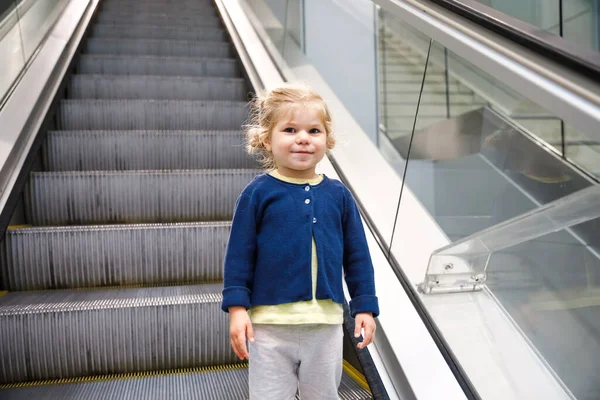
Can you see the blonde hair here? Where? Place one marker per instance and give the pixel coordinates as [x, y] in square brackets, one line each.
[266, 112]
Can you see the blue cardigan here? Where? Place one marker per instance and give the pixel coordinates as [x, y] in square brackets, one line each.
[268, 256]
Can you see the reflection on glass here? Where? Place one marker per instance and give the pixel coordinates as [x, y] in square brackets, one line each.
[23, 26]
[401, 69]
[583, 150]
[575, 20]
[276, 18]
[36, 19]
[544, 14]
[580, 22]
[11, 51]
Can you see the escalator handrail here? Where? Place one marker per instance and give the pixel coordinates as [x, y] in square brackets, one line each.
[583, 61]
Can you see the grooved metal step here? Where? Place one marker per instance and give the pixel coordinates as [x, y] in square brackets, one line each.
[156, 12]
[222, 384]
[153, 65]
[75, 333]
[165, 2]
[198, 7]
[176, 48]
[67, 198]
[164, 32]
[153, 3]
[145, 150]
[204, 8]
[113, 255]
[156, 87]
[151, 114]
[169, 19]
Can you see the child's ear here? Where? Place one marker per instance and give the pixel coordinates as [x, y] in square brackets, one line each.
[267, 143]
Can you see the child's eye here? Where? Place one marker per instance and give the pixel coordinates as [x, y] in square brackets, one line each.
[314, 130]
[289, 130]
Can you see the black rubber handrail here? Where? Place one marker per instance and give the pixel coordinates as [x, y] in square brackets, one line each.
[575, 57]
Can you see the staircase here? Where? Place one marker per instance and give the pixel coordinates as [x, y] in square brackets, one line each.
[113, 285]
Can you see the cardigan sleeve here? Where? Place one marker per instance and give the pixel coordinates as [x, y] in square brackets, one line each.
[238, 271]
[358, 267]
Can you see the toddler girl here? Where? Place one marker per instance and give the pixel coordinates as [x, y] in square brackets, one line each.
[295, 235]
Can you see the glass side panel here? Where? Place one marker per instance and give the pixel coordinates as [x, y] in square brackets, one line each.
[401, 69]
[11, 47]
[462, 265]
[23, 26]
[36, 20]
[272, 16]
[575, 20]
[478, 162]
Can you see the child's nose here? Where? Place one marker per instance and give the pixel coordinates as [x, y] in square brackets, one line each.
[302, 137]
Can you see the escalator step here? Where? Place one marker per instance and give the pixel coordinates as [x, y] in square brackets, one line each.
[67, 198]
[145, 150]
[164, 32]
[152, 65]
[208, 19]
[159, 9]
[73, 333]
[113, 255]
[153, 3]
[175, 48]
[225, 384]
[156, 87]
[151, 114]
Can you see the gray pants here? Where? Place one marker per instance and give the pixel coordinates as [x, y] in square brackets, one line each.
[286, 358]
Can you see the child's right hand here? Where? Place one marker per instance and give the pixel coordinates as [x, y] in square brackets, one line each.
[240, 328]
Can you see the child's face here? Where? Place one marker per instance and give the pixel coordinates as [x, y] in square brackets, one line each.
[298, 141]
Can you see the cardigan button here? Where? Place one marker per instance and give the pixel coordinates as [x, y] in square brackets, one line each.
[307, 201]
[307, 188]
[314, 220]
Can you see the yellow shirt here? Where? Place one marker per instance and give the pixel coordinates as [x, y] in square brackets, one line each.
[301, 312]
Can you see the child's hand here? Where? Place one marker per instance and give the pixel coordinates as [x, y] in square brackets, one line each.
[240, 327]
[366, 321]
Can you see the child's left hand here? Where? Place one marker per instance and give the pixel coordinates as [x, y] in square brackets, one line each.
[366, 321]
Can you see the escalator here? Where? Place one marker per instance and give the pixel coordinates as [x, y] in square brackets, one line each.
[112, 274]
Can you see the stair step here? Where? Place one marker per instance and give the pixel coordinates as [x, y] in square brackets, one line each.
[156, 87]
[75, 333]
[407, 85]
[149, 47]
[218, 383]
[143, 17]
[45, 258]
[428, 110]
[405, 123]
[145, 150]
[434, 97]
[165, 32]
[101, 197]
[152, 65]
[151, 114]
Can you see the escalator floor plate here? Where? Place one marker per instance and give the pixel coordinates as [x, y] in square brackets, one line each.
[227, 383]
